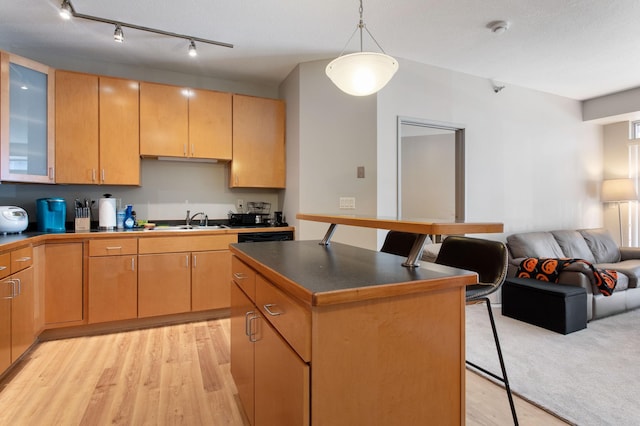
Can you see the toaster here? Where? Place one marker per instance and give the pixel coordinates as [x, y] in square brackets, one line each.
[13, 219]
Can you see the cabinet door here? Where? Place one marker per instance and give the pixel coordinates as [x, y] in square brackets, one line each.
[22, 322]
[210, 124]
[258, 143]
[242, 355]
[6, 289]
[119, 132]
[164, 284]
[26, 120]
[113, 288]
[210, 277]
[76, 127]
[63, 285]
[281, 381]
[164, 118]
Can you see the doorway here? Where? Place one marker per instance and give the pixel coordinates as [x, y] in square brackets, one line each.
[431, 179]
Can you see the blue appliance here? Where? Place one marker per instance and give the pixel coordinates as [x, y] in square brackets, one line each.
[51, 214]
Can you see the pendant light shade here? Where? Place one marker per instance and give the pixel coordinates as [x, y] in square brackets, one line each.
[362, 73]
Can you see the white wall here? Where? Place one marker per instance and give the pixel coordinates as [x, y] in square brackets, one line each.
[531, 162]
[335, 134]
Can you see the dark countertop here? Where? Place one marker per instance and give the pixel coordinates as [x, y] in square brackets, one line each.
[339, 273]
[10, 241]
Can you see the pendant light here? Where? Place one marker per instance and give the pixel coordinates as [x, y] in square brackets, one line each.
[118, 34]
[362, 73]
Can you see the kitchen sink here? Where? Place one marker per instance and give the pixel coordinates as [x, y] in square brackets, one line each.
[189, 227]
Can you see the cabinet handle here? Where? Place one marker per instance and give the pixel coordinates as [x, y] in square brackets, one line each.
[268, 307]
[247, 331]
[2, 268]
[184, 149]
[133, 263]
[252, 335]
[13, 289]
[114, 248]
[187, 260]
[195, 261]
[19, 286]
[102, 177]
[235, 179]
[93, 175]
[24, 259]
[239, 275]
[51, 173]
[193, 151]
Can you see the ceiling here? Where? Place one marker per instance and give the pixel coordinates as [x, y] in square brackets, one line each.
[579, 49]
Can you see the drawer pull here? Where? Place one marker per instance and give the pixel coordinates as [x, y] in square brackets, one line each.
[2, 268]
[252, 336]
[12, 283]
[239, 275]
[268, 307]
[247, 330]
[133, 263]
[24, 259]
[114, 248]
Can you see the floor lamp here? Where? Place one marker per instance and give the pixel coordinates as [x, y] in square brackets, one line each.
[618, 191]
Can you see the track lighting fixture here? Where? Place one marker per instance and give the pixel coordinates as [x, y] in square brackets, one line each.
[362, 73]
[118, 35]
[67, 11]
[192, 49]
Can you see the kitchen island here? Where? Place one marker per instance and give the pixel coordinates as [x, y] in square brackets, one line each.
[339, 335]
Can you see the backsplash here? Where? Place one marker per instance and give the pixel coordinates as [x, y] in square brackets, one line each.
[169, 189]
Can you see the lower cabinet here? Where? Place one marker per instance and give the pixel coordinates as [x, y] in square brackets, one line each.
[272, 380]
[113, 288]
[113, 279]
[164, 284]
[210, 272]
[63, 298]
[17, 299]
[22, 318]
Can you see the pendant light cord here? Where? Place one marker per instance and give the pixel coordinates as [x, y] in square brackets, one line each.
[359, 27]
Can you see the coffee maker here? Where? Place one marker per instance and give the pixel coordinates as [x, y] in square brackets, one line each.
[51, 214]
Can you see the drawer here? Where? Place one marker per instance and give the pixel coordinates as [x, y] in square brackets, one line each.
[21, 259]
[244, 276]
[290, 318]
[113, 247]
[154, 245]
[5, 264]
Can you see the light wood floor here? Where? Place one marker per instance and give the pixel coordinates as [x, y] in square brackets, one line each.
[174, 375]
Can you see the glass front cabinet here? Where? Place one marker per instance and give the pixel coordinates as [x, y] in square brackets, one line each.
[26, 120]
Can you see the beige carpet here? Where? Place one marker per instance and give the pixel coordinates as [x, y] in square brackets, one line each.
[589, 377]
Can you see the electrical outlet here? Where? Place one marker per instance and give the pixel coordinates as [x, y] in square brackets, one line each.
[347, 203]
[360, 172]
[239, 205]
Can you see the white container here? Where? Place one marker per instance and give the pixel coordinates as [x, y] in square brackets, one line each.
[107, 213]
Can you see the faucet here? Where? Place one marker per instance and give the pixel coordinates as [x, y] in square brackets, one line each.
[204, 220]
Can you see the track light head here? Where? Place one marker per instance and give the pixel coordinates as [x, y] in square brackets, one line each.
[192, 49]
[118, 34]
[65, 10]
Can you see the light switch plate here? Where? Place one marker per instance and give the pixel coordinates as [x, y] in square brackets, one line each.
[347, 203]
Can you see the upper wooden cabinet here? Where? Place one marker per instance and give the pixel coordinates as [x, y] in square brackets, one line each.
[26, 120]
[258, 143]
[180, 122]
[96, 130]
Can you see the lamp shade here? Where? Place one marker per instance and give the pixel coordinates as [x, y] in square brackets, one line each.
[362, 73]
[618, 190]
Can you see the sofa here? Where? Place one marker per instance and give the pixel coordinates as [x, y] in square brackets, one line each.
[593, 245]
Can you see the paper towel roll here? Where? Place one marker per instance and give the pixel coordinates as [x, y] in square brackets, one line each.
[107, 213]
